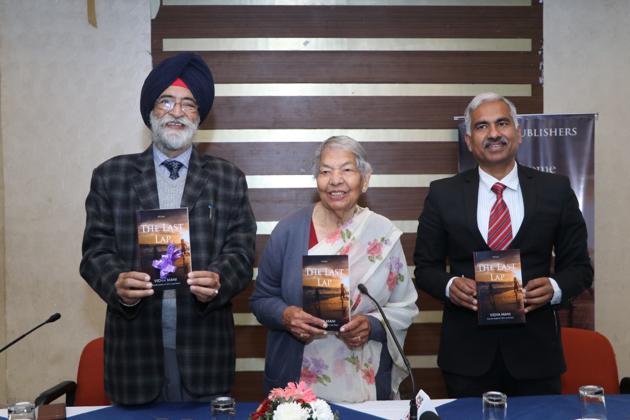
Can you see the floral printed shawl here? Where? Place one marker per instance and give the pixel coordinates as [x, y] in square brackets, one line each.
[376, 259]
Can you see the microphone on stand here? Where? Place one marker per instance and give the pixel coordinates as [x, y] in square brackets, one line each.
[413, 408]
[54, 317]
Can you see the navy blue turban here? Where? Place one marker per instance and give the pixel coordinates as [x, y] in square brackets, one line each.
[192, 70]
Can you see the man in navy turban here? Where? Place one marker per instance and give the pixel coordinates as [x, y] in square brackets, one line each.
[176, 344]
[191, 70]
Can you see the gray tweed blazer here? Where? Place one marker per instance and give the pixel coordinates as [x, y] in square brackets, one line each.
[223, 232]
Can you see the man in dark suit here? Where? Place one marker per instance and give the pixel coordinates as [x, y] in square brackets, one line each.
[532, 211]
[173, 345]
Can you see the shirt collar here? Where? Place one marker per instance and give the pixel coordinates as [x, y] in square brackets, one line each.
[183, 158]
[510, 180]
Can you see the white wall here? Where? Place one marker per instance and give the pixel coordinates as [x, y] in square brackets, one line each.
[3, 325]
[587, 65]
[69, 100]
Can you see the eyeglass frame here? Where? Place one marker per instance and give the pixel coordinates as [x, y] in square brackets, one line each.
[160, 103]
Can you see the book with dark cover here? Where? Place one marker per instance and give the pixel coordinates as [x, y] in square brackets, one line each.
[500, 294]
[326, 287]
[164, 246]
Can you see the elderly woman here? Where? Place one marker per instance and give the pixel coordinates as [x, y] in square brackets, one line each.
[360, 362]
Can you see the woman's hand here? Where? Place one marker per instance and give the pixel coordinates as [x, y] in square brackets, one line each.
[356, 332]
[302, 325]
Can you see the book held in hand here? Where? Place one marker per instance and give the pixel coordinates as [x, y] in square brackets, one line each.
[500, 294]
[164, 246]
[326, 287]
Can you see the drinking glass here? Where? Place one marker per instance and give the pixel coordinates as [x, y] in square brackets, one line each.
[223, 408]
[494, 405]
[21, 411]
[592, 402]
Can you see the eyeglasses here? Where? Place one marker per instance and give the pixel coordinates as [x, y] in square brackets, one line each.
[168, 103]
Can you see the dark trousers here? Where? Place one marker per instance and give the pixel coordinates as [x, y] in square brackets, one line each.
[498, 378]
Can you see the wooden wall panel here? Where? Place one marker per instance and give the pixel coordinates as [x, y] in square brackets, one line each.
[345, 112]
[423, 339]
[240, 304]
[297, 158]
[393, 203]
[250, 341]
[402, 26]
[427, 302]
[426, 379]
[248, 386]
[346, 22]
[378, 67]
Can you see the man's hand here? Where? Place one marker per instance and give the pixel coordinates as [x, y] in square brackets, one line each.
[204, 285]
[538, 292]
[131, 286]
[302, 325]
[463, 292]
[356, 332]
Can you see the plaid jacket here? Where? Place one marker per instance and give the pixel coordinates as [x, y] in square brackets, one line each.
[222, 230]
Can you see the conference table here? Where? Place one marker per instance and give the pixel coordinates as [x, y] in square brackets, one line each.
[550, 407]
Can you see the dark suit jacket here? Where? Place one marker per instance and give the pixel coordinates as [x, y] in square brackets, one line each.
[448, 231]
[222, 230]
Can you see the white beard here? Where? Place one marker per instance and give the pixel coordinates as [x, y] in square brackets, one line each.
[169, 140]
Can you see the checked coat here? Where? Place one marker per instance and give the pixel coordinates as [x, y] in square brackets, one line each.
[222, 233]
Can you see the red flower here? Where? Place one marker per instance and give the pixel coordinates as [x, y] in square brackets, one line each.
[300, 391]
[261, 410]
[391, 280]
[375, 248]
[334, 237]
[368, 375]
[308, 376]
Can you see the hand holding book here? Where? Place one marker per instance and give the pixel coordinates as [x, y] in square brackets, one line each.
[463, 292]
[356, 332]
[303, 325]
[204, 285]
[538, 292]
[131, 286]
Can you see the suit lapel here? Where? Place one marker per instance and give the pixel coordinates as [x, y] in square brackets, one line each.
[527, 182]
[197, 180]
[471, 198]
[144, 182]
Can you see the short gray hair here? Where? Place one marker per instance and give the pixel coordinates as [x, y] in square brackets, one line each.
[343, 143]
[487, 97]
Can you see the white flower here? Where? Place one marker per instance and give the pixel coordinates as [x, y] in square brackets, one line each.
[290, 411]
[321, 410]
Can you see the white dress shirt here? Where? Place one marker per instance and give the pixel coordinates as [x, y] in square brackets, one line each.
[513, 197]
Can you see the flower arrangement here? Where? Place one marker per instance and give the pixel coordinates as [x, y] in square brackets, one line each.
[295, 402]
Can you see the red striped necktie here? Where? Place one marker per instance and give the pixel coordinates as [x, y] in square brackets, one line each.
[500, 225]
